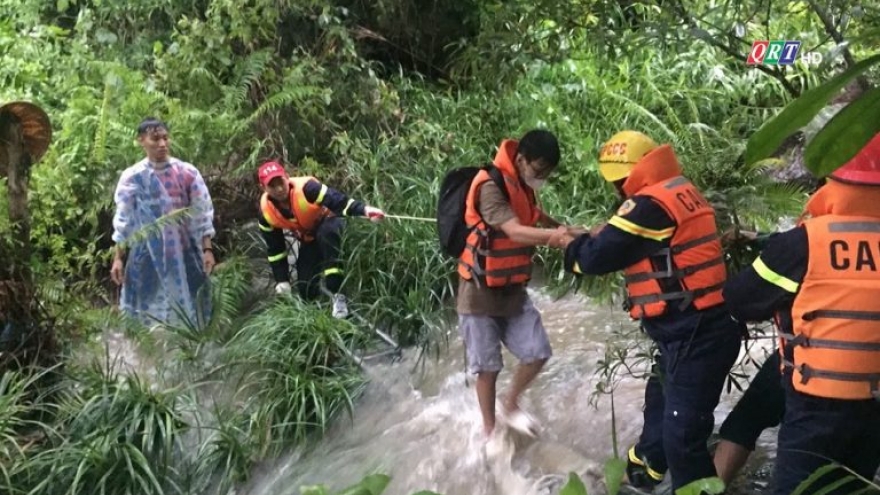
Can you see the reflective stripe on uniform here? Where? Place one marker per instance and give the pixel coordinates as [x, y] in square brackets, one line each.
[635, 229]
[347, 206]
[276, 257]
[635, 460]
[321, 194]
[774, 278]
[265, 228]
[332, 271]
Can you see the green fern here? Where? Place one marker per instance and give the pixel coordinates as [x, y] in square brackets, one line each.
[99, 154]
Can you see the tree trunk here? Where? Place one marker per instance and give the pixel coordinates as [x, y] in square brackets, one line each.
[26, 335]
[16, 162]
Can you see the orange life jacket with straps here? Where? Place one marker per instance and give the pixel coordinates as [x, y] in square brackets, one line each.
[306, 216]
[835, 339]
[694, 257]
[489, 256]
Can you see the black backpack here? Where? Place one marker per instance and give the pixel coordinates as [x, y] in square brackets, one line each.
[451, 226]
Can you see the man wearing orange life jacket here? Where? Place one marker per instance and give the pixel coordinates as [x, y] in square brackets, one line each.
[492, 302]
[312, 212]
[664, 238]
[824, 274]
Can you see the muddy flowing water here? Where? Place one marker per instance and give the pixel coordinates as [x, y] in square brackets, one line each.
[422, 427]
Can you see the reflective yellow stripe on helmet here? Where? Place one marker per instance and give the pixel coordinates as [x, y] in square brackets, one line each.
[774, 278]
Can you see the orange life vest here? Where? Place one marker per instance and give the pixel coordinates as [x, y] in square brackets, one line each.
[489, 255]
[835, 344]
[306, 216]
[693, 258]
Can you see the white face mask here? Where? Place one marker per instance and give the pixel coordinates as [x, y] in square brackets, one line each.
[535, 184]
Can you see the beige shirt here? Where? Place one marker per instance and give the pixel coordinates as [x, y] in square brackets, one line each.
[491, 301]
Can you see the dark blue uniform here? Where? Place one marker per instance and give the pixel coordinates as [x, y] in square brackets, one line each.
[319, 257]
[697, 347]
[763, 403]
[767, 287]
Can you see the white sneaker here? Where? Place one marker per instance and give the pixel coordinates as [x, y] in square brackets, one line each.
[340, 306]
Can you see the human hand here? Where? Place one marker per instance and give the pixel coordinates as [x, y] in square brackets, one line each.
[374, 214]
[116, 271]
[208, 260]
[576, 230]
[560, 238]
[282, 288]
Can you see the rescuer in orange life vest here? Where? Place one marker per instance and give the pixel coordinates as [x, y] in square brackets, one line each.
[312, 212]
[665, 240]
[825, 273]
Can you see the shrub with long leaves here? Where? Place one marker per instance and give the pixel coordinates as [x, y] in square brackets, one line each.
[292, 371]
[22, 412]
[113, 434]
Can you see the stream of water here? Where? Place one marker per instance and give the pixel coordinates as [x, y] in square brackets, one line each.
[422, 426]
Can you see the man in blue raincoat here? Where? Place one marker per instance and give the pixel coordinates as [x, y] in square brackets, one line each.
[162, 228]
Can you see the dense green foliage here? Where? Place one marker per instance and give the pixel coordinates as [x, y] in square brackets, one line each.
[377, 98]
[333, 88]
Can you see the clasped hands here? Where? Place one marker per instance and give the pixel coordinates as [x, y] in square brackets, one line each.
[566, 233]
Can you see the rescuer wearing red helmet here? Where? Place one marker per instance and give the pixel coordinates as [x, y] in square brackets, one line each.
[313, 213]
[824, 277]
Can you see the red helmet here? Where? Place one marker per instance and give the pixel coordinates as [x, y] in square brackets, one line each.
[269, 171]
[864, 168]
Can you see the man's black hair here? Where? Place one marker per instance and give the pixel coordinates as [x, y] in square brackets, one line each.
[540, 144]
[150, 124]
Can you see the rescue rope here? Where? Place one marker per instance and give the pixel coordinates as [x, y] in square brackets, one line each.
[405, 217]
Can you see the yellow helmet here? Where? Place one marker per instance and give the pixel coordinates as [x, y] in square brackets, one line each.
[620, 153]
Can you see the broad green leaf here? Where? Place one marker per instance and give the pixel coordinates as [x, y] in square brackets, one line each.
[614, 470]
[799, 112]
[313, 490]
[711, 486]
[844, 135]
[373, 484]
[574, 486]
[355, 490]
[376, 483]
[808, 483]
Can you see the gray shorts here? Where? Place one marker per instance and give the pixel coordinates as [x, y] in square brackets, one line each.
[523, 335]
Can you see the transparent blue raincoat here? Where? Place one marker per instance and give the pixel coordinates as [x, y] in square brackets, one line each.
[161, 217]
